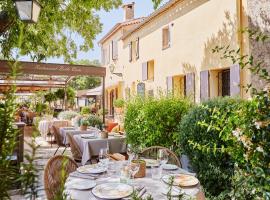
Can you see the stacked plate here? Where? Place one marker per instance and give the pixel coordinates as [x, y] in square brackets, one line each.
[80, 184]
[151, 162]
[91, 169]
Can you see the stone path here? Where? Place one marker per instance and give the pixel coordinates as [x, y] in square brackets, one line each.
[44, 153]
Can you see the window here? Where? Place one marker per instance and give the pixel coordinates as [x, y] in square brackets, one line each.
[176, 85]
[224, 83]
[114, 49]
[148, 71]
[166, 37]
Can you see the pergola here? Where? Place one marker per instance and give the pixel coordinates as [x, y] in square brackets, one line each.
[35, 76]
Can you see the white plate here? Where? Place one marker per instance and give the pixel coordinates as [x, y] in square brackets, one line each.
[151, 162]
[176, 191]
[91, 169]
[170, 167]
[80, 184]
[112, 190]
[183, 180]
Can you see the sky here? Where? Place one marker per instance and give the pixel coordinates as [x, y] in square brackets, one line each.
[142, 9]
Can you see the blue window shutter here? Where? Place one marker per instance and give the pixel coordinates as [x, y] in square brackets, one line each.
[169, 81]
[190, 86]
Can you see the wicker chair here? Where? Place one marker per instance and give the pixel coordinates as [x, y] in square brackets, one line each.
[53, 174]
[74, 147]
[59, 139]
[152, 152]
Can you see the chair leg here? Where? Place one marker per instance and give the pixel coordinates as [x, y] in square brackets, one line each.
[64, 150]
[56, 150]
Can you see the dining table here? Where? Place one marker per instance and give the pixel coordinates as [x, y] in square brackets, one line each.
[45, 125]
[157, 188]
[91, 146]
[76, 131]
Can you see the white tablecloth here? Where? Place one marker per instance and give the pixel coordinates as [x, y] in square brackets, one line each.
[44, 126]
[91, 147]
[153, 187]
[73, 131]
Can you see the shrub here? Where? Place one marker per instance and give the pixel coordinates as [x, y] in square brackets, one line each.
[200, 130]
[94, 120]
[119, 103]
[67, 115]
[85, 110]
[150, 122]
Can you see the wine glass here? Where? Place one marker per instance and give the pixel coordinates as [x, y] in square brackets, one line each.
[163, 156]
[134, 168]
[130, 153]
[103, 158]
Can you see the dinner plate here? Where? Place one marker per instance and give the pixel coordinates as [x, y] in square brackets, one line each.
[112, 190]
[151, 162]
[91, 169]
[169, 167]
[88, 136]
[80, 184]
[183, 180]
[175, 191]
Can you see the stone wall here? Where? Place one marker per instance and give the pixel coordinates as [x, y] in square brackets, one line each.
[259, 19]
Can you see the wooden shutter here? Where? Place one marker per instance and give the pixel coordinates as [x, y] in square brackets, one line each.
[235, 80]
[137, 48]
[130, 51]
[190, 86]
[169, 36]
[144, 71]
[169, 81]
[114, 50]
[204, 85]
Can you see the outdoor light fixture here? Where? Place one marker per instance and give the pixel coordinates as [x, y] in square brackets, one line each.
[28, 10]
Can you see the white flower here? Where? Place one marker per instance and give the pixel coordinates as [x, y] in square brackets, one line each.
[258, 125]
[259, 149]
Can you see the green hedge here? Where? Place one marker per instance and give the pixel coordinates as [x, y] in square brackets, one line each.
[150, 121]
[200, 131]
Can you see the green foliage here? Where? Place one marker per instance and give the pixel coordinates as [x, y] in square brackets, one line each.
[49, 97]
[94, 120]
[150, 121]
[85, 110]
[67, 115]
[85, 82]
[58, 21]
[119, 103]
[60, 94]
[197, 136]
[41, 108]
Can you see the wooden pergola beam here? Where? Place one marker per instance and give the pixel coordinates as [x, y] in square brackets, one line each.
[54, 69]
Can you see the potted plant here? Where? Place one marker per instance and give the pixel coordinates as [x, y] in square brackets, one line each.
[85, 110]
[83, 125]
[119, 105]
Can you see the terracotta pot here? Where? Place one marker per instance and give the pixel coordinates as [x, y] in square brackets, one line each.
[104, 134]
[118, 110]
[83, 128]
[142, 170]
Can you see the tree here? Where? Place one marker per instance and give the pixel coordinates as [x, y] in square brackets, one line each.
[58, 22]
[85, 82]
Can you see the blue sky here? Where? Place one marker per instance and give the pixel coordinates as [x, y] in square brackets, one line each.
[109, 19]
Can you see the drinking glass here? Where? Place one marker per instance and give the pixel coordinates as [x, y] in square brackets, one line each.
[163, 156]
[134, 168]
[103, 158]
[156, 172]
[130, 153]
